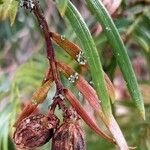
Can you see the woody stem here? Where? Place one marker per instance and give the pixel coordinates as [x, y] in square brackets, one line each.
[50, 51]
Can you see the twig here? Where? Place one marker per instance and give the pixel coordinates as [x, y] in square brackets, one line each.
[50, 51]
[33, 6]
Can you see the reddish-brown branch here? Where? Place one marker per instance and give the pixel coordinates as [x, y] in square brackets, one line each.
[50, 51]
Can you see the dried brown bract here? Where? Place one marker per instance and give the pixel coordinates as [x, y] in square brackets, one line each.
[69, 136]
[35, 130]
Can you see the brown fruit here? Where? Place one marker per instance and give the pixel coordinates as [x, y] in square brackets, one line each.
[35, 131]
[69, 136]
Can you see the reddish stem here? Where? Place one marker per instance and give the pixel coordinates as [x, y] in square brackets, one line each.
[50, 51]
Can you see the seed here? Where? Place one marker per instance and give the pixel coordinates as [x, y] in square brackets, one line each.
[35, 131]
[69, 136]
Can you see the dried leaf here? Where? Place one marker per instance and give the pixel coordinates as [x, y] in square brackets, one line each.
[68, 71]
[37, 98]
[90, 95]
[88, 120]
[73, 50]
[110, 88]
[41, 93]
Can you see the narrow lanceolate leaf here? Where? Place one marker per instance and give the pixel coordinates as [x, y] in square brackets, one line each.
[71, 48]
[41, 93]
[37, 98]
[90, 95]
[67, 71]
[8, 9]
[13, 12]
[74, 50]
[62, 5]
[91, 54]
[119, 51]
[88, 120]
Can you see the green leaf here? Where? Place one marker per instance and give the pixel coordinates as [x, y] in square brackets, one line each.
[62, 6]
[4, 8]
[13, 12]
[5, 136]
[8, 9]
[142, 36]
[119, 51]
[92, 55]
[5, 116]
[1, 2]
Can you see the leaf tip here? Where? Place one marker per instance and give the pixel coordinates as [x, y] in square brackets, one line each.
[142, 113]
[141, 110]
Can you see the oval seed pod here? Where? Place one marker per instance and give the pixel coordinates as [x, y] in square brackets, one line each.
[69, 136]
[35, 131]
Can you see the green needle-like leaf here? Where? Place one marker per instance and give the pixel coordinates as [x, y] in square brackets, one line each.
[8, 9]
[13, 12]
[97, 7]
[92, 56]
[62, 5]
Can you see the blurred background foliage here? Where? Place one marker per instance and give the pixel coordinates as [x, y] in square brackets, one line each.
[23, 64]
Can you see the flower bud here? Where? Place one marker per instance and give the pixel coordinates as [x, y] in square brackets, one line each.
[35, 131]
[69, 136]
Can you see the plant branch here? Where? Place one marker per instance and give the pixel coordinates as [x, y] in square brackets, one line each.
[50, 51]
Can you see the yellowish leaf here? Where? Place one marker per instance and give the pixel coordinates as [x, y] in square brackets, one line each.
[13, 12]
[8, 9]
[62, 5]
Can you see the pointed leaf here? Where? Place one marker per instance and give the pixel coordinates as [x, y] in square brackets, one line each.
[13, 12]
[8, 9]
[41, 93]
[68, 71]
[62, 5]
[88, 120]
[73, 50]
[91, 54]
[37, 98]
[119, 50]
[90, 95]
